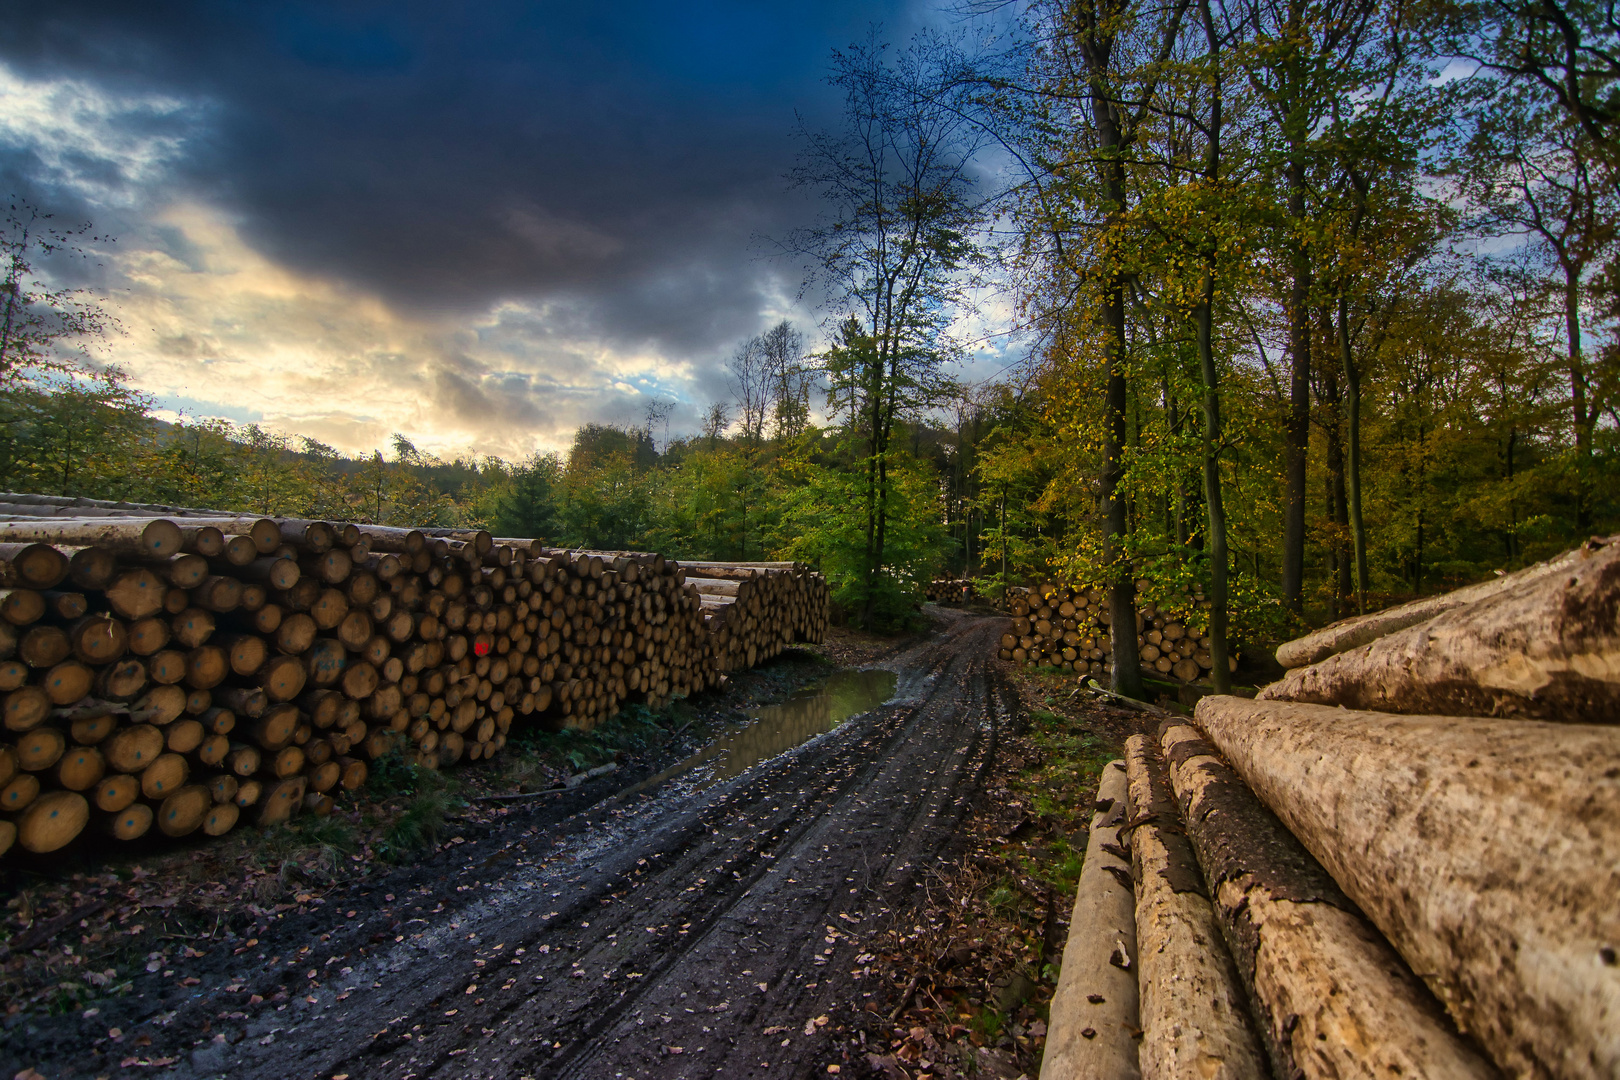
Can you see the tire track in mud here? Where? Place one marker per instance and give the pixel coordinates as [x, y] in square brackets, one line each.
[662, 934]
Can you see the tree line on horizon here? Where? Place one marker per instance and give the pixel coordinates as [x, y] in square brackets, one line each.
[1312, 329]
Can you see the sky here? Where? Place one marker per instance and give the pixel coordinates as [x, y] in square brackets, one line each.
[479, 224]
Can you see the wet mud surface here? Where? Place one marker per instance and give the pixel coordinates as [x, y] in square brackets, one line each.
[708, 925]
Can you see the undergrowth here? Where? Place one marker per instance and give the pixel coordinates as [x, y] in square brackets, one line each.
[429, 797]
[634, 729]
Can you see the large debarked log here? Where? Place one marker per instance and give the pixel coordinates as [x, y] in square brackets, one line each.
[1194, 1017]
[1485, 851]
[1333, 998]
[1547, 649]
[1093, 1027]
[1352, 633]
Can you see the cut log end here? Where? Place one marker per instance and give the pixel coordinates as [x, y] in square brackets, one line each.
[52, 821]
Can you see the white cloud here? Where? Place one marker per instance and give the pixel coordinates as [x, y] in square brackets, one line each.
[103, 146]
[228, 327]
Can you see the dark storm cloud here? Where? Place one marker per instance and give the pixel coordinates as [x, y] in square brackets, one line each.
[616, 159]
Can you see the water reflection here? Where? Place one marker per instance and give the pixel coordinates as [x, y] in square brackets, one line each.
[777, 728]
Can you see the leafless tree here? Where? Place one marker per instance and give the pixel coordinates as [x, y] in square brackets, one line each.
[658, 415]
[790, 378]
[750, 383]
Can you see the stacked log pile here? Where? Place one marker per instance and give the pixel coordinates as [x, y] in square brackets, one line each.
[949, 590]
[178, 673]
[1398, 860]
[755, 610]
[1058, 626]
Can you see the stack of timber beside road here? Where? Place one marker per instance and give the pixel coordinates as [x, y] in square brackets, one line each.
[950, 590]
[1397, 860]
[186, 671]
[755, 610]
[1065, 627]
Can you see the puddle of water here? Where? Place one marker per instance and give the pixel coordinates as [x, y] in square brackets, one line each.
[777, 728]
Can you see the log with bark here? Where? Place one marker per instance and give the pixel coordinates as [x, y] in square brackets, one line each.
[1331, 996]
[1094, 1020]
[1483, 849]
[1351, 633]
[1546, 648]
[1194, 1015]
[142, 538]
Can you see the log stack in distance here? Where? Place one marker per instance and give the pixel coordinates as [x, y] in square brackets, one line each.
[1058, 626]
[755, 610]
[950, 590]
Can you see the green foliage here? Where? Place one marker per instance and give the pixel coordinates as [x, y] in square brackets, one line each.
[391, 775]
[419, 828]
[79, 432]
[824, 520]
[429, 798]
[528, 504]
[1487, 423]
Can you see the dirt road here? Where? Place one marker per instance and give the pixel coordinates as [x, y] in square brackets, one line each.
[678, 932]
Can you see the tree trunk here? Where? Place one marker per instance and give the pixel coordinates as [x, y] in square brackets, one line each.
[1577, 398]
[1352, 462]
[870, 567]
[1320, 977]
[1483, 850]
[1194, 1019]
[1092, 1033]
[1298, 430]
[1548, 649]
[1219, 651]
[1097, 46]
[1338, 510]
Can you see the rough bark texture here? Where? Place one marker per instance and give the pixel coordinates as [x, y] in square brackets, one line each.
[152, 538]
[1333, 998]
[1485, 852]
[1351, 633]
[1547, 648]
[1195, 1021]
[1094, 1020]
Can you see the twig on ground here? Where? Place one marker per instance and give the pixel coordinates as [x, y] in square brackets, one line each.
[905, 998]
[568, 784]
[1091, 686]
[42, 932]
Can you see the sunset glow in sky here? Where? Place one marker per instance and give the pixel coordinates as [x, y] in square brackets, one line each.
[477, 224]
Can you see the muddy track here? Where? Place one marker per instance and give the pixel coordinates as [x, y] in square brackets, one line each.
[661, 934]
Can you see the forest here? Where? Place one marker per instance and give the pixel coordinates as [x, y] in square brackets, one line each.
[1311, 304]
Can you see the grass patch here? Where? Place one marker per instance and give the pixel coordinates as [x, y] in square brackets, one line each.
[318, 841]
[392, 775]
[429, 799]
[533, 751]
[419, 828]
[1059, 789]
[986, 1025]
